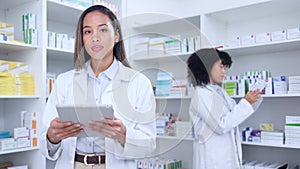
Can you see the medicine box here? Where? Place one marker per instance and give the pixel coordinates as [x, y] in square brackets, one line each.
[4, 134]
[23, 142]
[197, 42]
[157, 46]
[294, 79]
[21, 132]
[85, 3]
[58, 40]
[8, 144]
[248, 40]
[173, 45]
[33, 135]
[263, 37]
[30, 119]
[141, 46]
[280, 85]
[234, 42]
[278, 35]
[293, 33]
[6, 31]
[51, 39]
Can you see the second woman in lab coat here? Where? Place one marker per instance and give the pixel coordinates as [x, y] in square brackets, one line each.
[215, 115]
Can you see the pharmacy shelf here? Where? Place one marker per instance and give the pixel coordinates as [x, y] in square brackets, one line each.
[271, 145]
[287, 45]
[174, 57]
[172, 97]
[59, 54]
[19, 150]
[274, 96]
[12, 4]
[255, 11]
[19, 97]
[8, 47]
[281, 46]
[174, 138]
[62, 12]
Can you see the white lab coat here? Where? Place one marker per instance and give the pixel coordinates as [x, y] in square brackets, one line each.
[217, 142]
[132, 97]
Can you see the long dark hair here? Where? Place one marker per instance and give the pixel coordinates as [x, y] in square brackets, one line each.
[200, 64]
[81, 56]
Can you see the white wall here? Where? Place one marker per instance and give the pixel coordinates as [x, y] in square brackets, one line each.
[182, 8]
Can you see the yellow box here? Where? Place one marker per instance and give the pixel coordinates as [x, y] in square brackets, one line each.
[266, 126]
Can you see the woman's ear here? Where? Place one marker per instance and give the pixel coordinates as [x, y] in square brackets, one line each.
[117, 36]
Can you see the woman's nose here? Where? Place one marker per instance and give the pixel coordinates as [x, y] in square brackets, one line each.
[96, 37]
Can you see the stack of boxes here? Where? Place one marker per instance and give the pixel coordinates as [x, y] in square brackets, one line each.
[292, 130]
[178, 88]
[239, 85]
[184, 129]
[60, 41]
[279, 85]
[158, 163]
[294, 84]
[156, 46]
[161, 122]
[6, 31]
[30, 33]
[87, 3]
[166, 45]
[163, 83]
[141, 46]
[24, 136]
[51, 77]
[15, 79]
[265, 37]
[172, 45]
[272, 137]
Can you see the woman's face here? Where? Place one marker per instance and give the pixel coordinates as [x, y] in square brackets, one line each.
[217, 73]
[99, 36]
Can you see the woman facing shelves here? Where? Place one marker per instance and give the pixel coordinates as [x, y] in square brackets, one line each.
[215, 115]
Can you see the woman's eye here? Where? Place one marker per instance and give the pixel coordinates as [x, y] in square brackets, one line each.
[103, 30]
[87, 32]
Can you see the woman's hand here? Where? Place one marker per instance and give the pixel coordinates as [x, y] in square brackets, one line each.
[60, 130]
[252, 96]
[112, 128]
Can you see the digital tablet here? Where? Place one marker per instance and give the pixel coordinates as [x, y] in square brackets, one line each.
[84, 113]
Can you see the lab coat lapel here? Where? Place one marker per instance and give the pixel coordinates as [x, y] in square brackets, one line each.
[80, 87]
[213, 118]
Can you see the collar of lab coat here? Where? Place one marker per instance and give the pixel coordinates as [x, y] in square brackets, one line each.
[80, 89]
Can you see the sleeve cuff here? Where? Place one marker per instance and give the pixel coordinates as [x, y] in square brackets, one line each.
[52, 148]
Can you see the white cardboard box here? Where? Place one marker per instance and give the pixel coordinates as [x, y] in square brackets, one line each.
[263, 37]
[248, 40]
[293, 33]
[278, 35]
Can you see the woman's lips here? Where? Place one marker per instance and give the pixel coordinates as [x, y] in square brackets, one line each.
[97, 48]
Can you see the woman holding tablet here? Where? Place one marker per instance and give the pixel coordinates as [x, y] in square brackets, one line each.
[102, 75]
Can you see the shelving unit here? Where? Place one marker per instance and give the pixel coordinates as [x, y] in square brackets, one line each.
[9, 47]
[33, 55]
[18, 150]
[167, 146]
[271, 145]
[279, 58]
